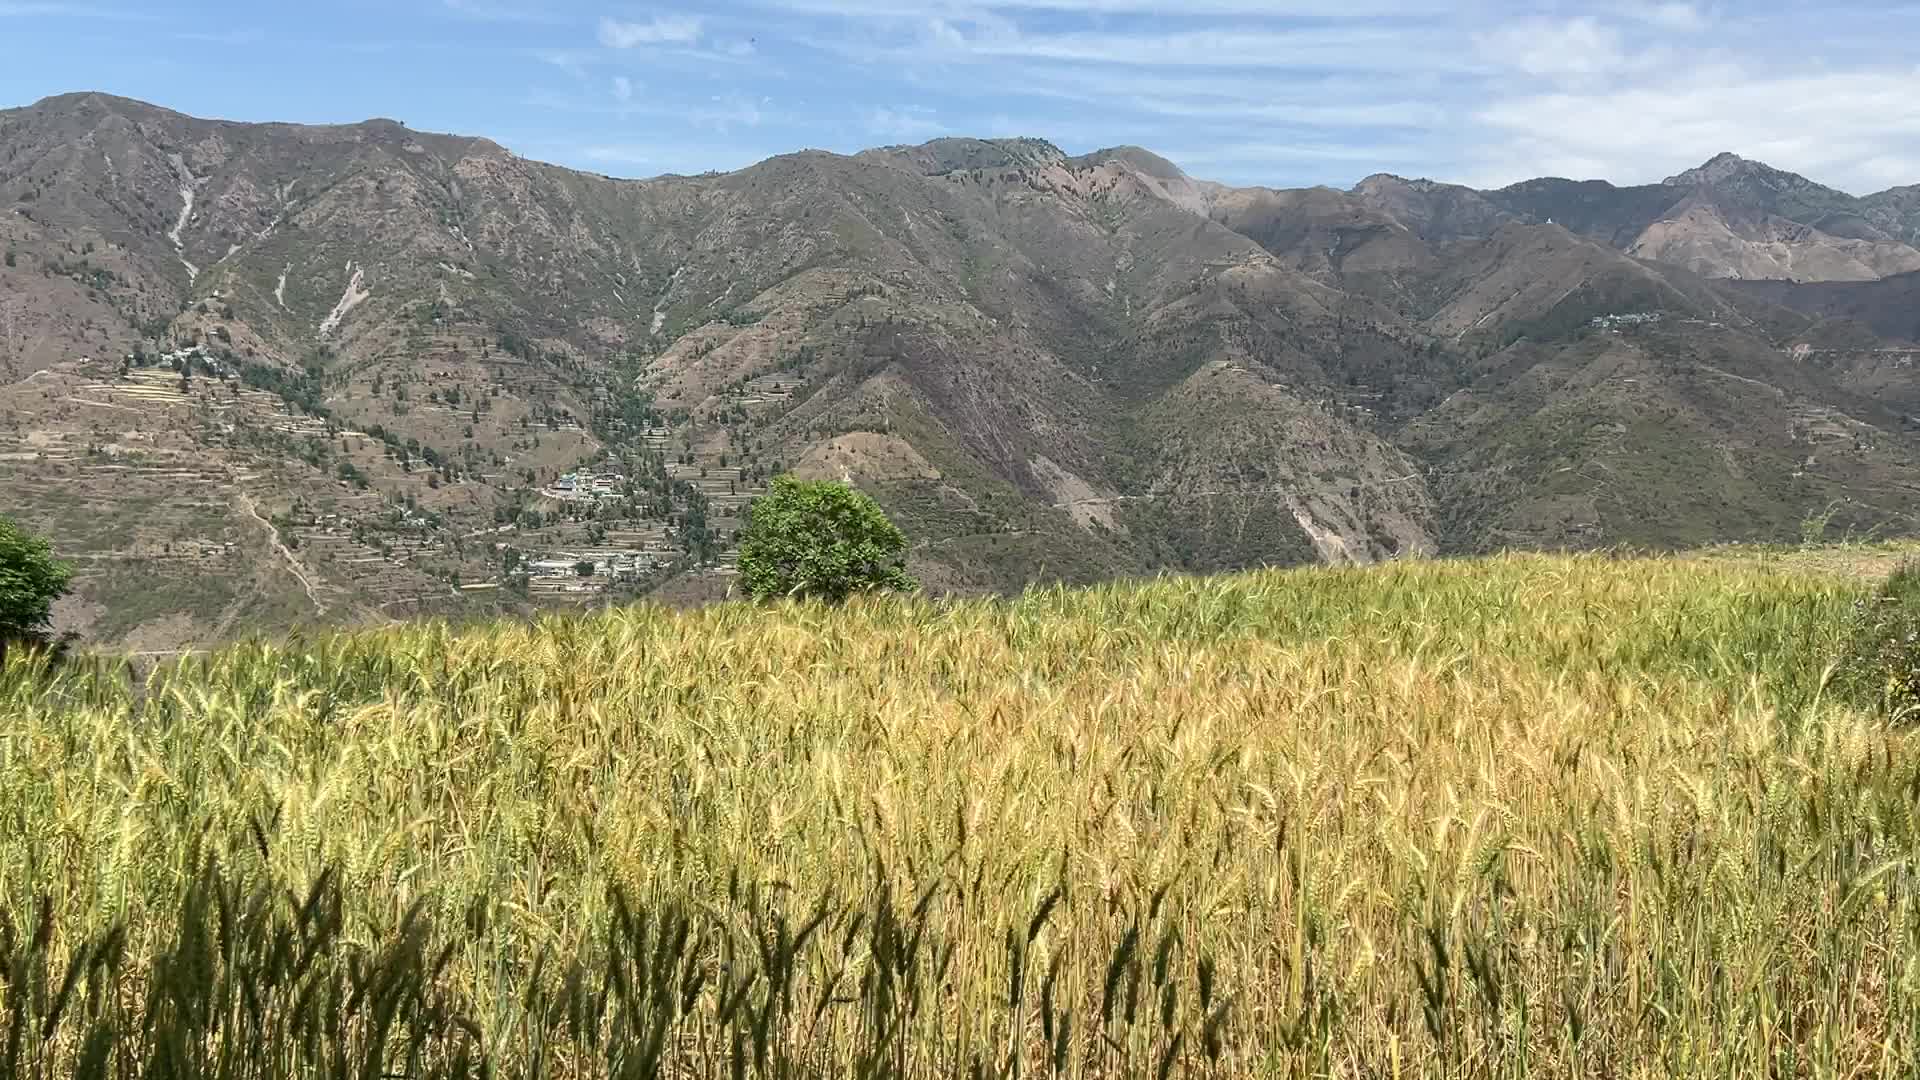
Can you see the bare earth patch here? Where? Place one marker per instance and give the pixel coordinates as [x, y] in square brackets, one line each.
[864, 455]
[1085, 502]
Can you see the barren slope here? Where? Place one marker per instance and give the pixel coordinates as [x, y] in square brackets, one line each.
[361, 371]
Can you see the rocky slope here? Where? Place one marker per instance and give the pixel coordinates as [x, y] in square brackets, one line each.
[312, 374]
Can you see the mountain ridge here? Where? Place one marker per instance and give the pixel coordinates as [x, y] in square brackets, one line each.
[357, 371]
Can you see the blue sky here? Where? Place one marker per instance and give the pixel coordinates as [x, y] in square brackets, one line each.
[1243, 91]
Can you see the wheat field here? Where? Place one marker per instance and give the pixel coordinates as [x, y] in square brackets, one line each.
[1523, 816]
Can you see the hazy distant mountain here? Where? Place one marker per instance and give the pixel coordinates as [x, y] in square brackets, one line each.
[1046, 366]
[1728, 218]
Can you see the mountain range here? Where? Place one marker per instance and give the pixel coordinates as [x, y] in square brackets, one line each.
[255, 376]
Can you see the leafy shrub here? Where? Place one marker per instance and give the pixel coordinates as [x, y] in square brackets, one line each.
[30, 581]
[1881, 663]
[822, 540]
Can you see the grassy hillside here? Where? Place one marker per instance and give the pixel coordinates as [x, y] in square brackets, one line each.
[1521, 816]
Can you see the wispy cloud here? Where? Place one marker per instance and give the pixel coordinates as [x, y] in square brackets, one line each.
[1555, 48]
[1858, 129]
[491, 11]
[1683, 17]
[222, 37]
[649, 158]
[1275, 92]
[54, 10]
[1341, 46]
[725, 112]
[572, 61]
[1369, 155]
[1481, 90]
[1297, 9]
[621, 154]
[660, 30]
[1248, 49]
[906, 122]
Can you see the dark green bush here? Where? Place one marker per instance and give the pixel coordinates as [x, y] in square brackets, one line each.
[1880, 666]
[820, 540]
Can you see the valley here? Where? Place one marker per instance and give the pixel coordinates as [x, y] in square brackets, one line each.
[261, 377]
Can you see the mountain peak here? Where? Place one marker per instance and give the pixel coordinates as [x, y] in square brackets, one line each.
[1726, 166]
[86, 97]
[956, 154]
[92, 103]
[1385, 181]
[1144, 161]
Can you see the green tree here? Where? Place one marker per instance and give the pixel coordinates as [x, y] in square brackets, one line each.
[822, 540]
[30, 581]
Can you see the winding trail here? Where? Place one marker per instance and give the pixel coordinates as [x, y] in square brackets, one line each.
[293, 563]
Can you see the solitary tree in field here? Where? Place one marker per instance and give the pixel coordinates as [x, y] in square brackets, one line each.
[30, 581]
[822, 540]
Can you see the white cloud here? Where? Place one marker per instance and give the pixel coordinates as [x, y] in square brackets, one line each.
[660, 30]
[493, 11]
[622, 88]
[1369, 155]
[684, 156]
[1315, 47]
[1303, 9]
[1687, 18]
[572, 62]
[1555, 48]
[1857, 130]
[619, 154]
[903, 123]
[1287, 91]
[1309, 113]
[721, 112]
[728, 111]
[1293, 9]
[222, 37]
[70, 11]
